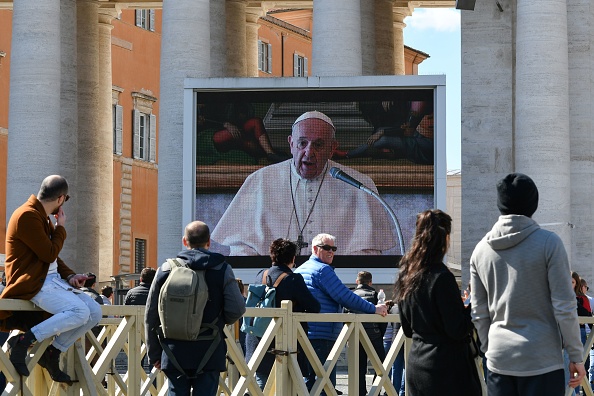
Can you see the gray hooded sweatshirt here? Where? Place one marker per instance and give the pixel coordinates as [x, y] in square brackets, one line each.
[523, 305]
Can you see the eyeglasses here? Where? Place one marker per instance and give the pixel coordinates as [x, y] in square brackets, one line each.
[66, 198]
[327, 247]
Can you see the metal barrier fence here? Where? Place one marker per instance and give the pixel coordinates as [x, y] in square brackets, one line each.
[123, 333]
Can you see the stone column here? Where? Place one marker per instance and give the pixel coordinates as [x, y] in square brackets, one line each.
[90, 179]
[251, 49]
[368, 40]
[69, 125]
[104, 146]
[399, 25]
[384, 37]
[34, 108]
[542, 109]
[218, 41]
[337, 38]
[180, 58]
[236, 38]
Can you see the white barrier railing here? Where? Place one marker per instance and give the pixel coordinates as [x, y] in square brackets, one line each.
[124, 334]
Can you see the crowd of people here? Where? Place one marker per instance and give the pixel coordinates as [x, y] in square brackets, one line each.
[520, 315]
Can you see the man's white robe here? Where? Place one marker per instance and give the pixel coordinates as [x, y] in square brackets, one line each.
[263, 211]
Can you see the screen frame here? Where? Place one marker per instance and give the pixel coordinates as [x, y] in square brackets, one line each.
[194, 86]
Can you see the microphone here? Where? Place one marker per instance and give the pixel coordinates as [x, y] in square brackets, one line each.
[340, 175]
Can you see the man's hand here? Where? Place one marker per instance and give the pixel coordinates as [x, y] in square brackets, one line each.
[381, 309]
[375, 137]
[60, 217]
[157, 365]
[576, 373]
[78, 280]
[233, 130]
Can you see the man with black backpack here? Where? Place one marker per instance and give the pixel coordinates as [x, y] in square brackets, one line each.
[192, 364]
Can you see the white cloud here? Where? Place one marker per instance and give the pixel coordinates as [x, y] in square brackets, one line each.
[439, 19]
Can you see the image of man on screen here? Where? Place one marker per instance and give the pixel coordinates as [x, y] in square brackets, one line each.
[297, 199]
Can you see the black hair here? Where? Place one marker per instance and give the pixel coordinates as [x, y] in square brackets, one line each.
[282, 251]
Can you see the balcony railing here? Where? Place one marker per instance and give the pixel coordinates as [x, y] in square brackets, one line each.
[124, 333]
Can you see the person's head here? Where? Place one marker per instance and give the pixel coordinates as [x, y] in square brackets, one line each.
[324, 247]
[53, 193]
[517, 195]
[283, 252]
[92, 278]
[312, 143]
[428, 249]
[147, 275]
[576, 283]
[364, 278]
[196, 235]
[107, 291]
[584, 284]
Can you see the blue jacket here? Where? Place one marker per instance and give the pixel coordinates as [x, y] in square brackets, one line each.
[322, 282]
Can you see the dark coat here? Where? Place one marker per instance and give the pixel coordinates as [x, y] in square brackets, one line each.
[225, 303]
[291, 288]
[137, 295]
[368, 293]
[440, 359]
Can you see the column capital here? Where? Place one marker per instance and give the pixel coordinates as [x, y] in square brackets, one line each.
[252, 18]
[108, 12]
[398, 15]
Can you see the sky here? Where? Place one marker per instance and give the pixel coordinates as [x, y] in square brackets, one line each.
[436, 31]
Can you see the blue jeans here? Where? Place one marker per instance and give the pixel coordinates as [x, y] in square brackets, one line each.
[261, 379]
[204, 384]
[322, 348]
[73, 313]
[397, 372]
[591, 369]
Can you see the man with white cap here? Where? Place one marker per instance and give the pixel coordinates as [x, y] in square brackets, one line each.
[298, 199]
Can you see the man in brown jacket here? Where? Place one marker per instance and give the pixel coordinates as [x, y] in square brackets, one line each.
[35, 272]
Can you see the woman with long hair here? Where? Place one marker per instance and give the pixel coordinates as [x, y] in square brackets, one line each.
[432, 313]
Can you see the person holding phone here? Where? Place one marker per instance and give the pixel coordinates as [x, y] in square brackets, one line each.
[35, 272]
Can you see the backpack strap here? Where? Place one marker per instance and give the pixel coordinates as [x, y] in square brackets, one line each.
[213, 346]
[278, 280]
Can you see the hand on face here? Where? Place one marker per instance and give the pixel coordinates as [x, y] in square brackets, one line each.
[60, 217]
[312, 144]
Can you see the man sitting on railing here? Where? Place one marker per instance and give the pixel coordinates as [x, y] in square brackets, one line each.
[327, 288]
[35, 272]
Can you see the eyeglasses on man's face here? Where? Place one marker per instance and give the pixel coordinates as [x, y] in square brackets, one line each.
[327, 247]
[66, 197]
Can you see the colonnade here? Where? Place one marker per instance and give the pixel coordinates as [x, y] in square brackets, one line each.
[526, 107]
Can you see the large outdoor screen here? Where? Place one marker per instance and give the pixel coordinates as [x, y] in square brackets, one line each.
[251, 186]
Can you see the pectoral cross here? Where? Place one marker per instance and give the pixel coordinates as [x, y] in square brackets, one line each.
[300, 243]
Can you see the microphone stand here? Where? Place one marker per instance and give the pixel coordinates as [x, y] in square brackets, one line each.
[390, 212]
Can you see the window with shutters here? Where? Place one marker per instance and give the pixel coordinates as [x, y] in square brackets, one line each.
[139, 255]
[118, 121]
[299, 66]
[144, 145]
[145, 19]
[264, 56]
